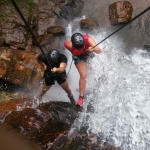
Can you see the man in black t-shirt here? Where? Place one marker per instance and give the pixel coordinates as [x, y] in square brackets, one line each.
[54, 71]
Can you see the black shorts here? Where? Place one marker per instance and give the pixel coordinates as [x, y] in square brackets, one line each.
[83, 58]
[50, 79]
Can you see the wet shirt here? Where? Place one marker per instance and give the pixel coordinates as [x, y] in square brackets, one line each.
[62, 59]
[77, 52]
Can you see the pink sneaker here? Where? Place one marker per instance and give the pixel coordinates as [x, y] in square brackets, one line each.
[80, 101]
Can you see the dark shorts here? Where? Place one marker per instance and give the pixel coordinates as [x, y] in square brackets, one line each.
[83, 58]
[50, 79]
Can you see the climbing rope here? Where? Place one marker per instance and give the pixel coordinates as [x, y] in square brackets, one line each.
[33, 36]
[119, 29]
[21, 15]
[123, 26]
[69, 68]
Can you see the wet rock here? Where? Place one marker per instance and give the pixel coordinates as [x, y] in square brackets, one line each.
[56, 30]
[40, 15]
[81, 140]
[71, 9]
[89, 24]
[1, 40]
[146, 47]
[19, 67]
[48, 127]
[120, 12]
[42, 125]
[16, 38]
[27, 120]
[45, 39]
[12, 28]
[12, 104]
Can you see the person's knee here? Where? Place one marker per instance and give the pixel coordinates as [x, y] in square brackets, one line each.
[83, 76]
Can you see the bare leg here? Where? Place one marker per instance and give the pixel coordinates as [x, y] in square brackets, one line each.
[43, 90]
[82, 69]
[66, 88]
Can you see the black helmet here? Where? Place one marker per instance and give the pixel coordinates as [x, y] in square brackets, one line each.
[77, 40]
[53, 55]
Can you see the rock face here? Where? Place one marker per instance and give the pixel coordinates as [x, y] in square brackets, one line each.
[47, 127]
[19, 67]
[89, 24]
[71, 9]
[41, 125]
[120, 12]
[40, 15]
[56, 30]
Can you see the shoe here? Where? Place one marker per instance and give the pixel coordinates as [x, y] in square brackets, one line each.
[80, 101]
[72, 100]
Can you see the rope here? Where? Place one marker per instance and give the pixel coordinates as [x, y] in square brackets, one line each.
[69, 68]
[123, 26]
[21, 15]
[33, 36]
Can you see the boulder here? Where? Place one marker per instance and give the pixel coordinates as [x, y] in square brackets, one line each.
[120, 12]
[20, 68]
[56, 30]
[88, 24]
[41, 125]
[71, 9]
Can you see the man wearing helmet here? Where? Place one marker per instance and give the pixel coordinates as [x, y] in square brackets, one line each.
[80, 46]
[54, 64]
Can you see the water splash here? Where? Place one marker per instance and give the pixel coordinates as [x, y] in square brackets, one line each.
[120, 97]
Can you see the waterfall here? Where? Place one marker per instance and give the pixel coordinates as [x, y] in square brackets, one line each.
[118, 89]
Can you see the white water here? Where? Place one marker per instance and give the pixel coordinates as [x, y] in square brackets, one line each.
[121, 98]
[119, 86]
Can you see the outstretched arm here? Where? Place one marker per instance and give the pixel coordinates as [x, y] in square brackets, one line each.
[92, 43]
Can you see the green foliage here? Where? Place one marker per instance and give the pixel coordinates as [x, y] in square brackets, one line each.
[4, 96]
[27, 5]
[4, 1]
[30, 6]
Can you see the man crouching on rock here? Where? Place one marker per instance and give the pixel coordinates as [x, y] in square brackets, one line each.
[54, 71]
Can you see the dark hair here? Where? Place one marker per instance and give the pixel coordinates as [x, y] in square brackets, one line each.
[77, 40]
[53, 55]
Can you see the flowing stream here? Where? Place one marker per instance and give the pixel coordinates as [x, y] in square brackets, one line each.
[118, 81]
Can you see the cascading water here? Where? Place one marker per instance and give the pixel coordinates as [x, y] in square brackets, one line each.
[120, 98]
[118, 88]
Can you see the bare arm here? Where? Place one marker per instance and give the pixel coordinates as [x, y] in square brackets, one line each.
[61, 68]
[92, 44]
[40, 62]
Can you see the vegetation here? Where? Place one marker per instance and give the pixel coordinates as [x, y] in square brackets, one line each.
[4, 96]
[25, 5]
